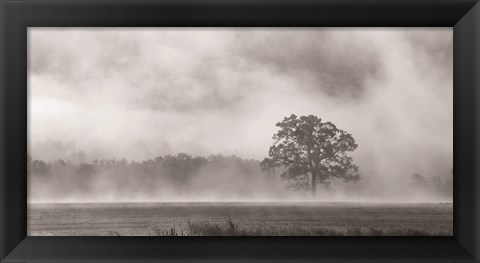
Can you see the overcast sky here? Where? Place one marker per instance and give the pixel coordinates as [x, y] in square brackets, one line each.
[140, 93]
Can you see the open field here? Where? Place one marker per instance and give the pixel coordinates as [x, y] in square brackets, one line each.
[218, 219]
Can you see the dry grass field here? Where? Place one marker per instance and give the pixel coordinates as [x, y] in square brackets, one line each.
[233, 219]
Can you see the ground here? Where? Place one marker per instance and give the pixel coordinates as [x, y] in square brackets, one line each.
[270, 219]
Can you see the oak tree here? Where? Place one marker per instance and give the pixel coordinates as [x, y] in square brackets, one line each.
[308, 152]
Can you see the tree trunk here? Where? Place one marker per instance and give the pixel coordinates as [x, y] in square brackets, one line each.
[314, 185]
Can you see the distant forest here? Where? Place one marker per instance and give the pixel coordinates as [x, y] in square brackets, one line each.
[183, 176]
[177, 174]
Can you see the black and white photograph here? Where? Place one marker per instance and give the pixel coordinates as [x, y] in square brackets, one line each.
[240, 131]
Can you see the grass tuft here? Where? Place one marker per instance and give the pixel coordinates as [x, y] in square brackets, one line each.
[230, 228]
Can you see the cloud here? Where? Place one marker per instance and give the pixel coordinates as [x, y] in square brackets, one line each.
[334, 61]
[153, 70]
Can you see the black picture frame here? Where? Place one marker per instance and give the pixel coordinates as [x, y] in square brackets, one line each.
[17, 15]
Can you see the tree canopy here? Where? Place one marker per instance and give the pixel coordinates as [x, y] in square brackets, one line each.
[308, 152]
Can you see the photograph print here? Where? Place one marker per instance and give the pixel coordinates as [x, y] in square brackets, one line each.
[240, 132]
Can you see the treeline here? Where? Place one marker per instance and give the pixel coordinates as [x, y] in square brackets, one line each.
[440, 185]
[178, 174]
[184, 177]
